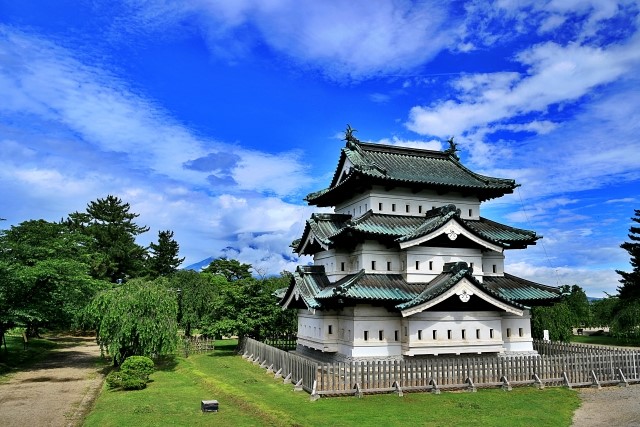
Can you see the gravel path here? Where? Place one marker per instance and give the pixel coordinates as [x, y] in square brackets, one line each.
[609, 406]
[55, 392]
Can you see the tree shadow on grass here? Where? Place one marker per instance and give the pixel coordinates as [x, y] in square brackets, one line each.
[166, 363]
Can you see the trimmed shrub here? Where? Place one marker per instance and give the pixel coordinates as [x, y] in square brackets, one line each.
[133, 374]
[138, 366]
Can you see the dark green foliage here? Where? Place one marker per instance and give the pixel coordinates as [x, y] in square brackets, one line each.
[576, 300]
[44, 275]
[557, 319]
[136, 318]
[630, 289]
[231, 269]
[163, 259]
[125, 381]
[603, 311]
[140, 366]
[197, 296]
[248, 307]
[626, 322]
[111, 227]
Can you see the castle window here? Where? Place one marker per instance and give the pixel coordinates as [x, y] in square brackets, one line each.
[521, 332]
[359, 209]
[470, 212]
[491, 333]
[342, 266]
[373, 265]
[477, 334]
[434, 334]
[419, 209]
[419, 335]
[471, 265]
[396, 335]
[330, 329]
[464, 334]
[449, 334]
[508, 332]
[365, 206]
[407, 208]
[366, 335]
[417, 265]
[406, 331]
[381, 335]
[393, 207]
[495, 268]
[430, 265]
[380, 206]
[388, 265]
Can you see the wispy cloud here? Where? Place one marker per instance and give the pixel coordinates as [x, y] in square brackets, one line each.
[352, 40]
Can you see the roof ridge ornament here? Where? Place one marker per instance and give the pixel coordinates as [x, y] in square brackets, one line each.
[453, 149]
[352, 141]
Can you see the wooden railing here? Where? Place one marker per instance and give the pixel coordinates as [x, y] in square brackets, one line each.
[195, 345]
[579, 368]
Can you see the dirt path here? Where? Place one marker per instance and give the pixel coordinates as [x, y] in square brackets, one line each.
[609, 406]
[55, 392]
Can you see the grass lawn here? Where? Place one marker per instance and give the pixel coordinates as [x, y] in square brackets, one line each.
[604, 340]
[16, 356]
[250, 397]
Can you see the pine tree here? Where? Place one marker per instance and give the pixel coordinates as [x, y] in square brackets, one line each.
[630, 289]
[116, 255]
[163, 259]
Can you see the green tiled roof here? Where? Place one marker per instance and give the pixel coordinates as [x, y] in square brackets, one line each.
[374, 287]
[391, 165]
[316, 291]
[328, 228]
[518, 289]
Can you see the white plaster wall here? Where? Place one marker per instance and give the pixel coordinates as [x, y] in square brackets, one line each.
[517, 332]
[418, 203]
[491, 259]
[449, 327]
[438, 257]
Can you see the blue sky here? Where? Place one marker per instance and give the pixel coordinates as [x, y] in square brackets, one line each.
[215, 118]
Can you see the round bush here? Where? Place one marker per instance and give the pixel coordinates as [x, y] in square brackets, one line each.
[138, 366]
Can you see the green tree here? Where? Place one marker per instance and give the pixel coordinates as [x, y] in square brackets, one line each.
[557, 319]
[197, 294]
[603, 311]
[248, 308]
[576, 300]
[231, 269]
[626, 322]
[44, 275]
[115, 254]
[163, 258]
[630, 289]
[137, 318]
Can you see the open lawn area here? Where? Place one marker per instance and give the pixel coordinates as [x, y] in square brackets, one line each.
[250, 397]
[603, 340]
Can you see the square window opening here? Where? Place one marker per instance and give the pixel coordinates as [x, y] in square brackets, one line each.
[381, 335]
[380, 206]
[449, 334]
[434, 334]
[491, 333]
[366, 335]
[388, 265]
[419, 335]
[396, 335]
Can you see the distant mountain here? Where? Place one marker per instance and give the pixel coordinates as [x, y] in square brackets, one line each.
[200, 264]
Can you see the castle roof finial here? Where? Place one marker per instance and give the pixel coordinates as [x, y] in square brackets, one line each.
[348, 136]
[453, 149]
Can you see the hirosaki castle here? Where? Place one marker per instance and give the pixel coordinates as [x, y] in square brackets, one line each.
[406, 265]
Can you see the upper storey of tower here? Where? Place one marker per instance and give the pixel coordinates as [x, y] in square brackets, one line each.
[363, 165]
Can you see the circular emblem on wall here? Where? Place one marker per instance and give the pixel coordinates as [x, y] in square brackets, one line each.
[452, 235]
[464, 296]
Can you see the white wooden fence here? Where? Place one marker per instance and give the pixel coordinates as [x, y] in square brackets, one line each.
[558, 364]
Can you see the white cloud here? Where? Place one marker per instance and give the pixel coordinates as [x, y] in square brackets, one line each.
[357, 39]
[595, 282]
[423, 145]
[556, 74]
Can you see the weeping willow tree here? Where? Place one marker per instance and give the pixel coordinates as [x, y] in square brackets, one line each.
[135, 319]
